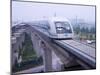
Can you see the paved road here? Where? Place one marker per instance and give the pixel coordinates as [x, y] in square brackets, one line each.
[81, 47]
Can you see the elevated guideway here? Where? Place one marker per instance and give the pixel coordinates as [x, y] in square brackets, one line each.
[83, 52]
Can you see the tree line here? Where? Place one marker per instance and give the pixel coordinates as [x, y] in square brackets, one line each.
[79, 29]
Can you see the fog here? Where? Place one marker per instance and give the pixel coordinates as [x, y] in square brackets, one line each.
[28, 11]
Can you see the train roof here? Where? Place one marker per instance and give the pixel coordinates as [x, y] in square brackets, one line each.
[58, 19]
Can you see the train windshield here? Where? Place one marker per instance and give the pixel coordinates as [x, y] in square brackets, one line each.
[63, 27]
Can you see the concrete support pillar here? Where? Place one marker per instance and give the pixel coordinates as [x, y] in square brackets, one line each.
[16, 45]
[57, 65]
[14, 51]
[47, 57]
[35, 41]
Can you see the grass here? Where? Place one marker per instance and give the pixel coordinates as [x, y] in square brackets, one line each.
[28, 64]
[28, 51]
[86, 36]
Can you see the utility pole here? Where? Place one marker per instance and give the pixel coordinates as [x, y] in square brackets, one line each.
[76, 20]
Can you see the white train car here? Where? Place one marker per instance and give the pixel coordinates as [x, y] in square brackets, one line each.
[60, 28]
[57, 27]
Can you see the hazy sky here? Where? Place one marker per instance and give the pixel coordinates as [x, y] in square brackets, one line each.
[28, 11]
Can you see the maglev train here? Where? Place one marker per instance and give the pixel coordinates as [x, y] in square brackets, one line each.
[57, 27]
